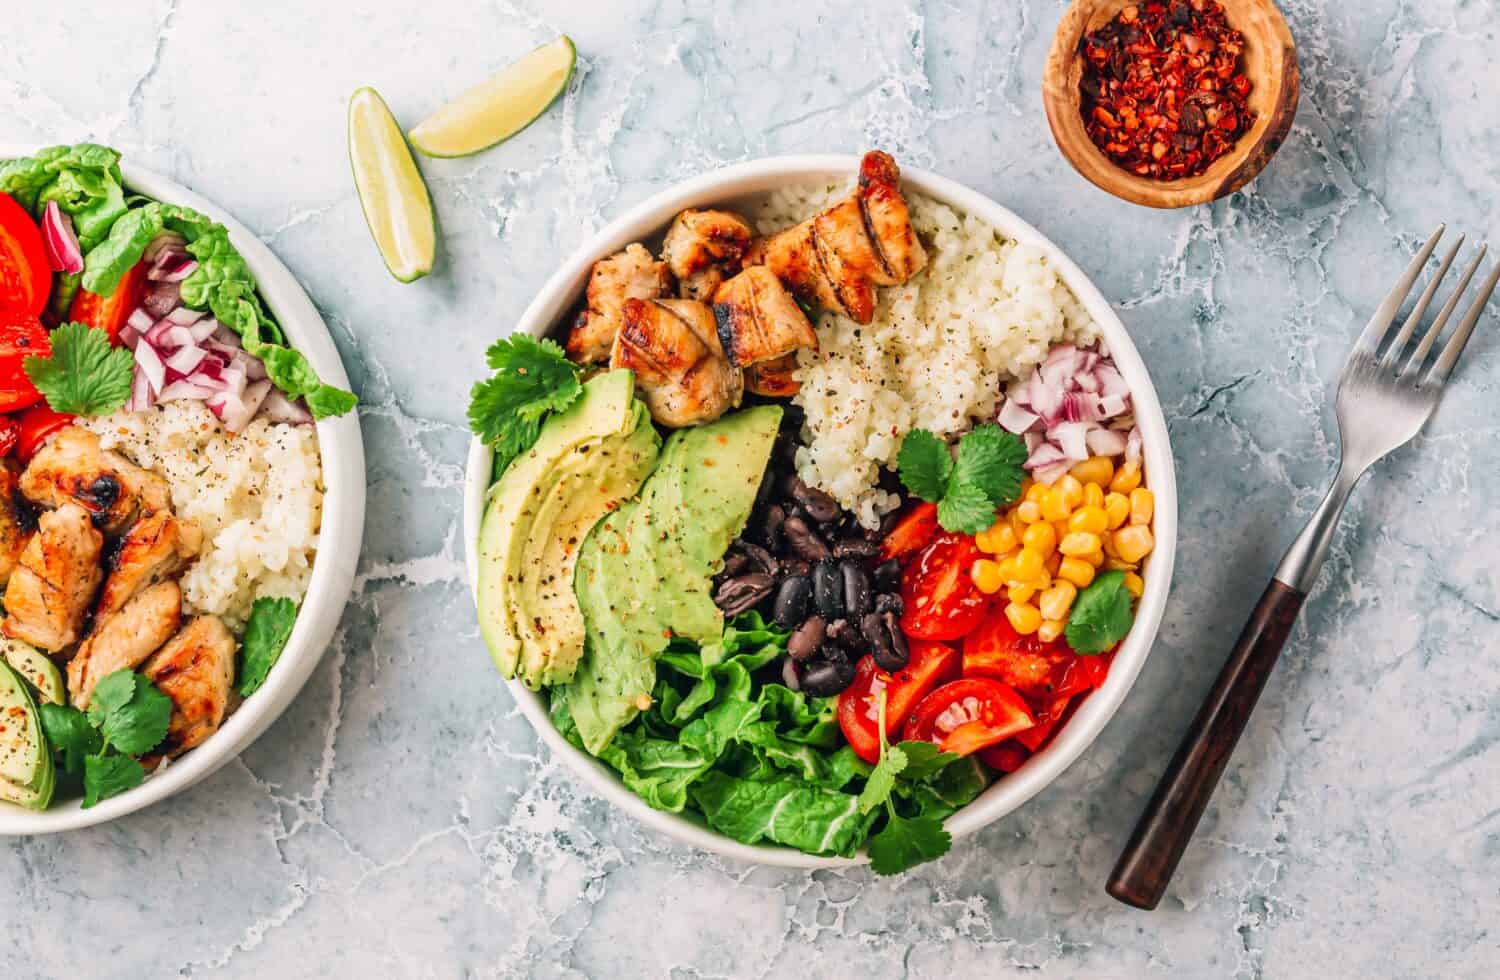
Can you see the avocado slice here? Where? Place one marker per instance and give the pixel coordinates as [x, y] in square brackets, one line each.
[27, 776]
[645, 572]
[586, 460]
[36, 668]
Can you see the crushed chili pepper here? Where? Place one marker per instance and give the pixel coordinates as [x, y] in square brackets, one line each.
[1164, 89]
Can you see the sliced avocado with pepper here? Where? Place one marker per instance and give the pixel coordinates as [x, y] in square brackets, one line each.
[27, 776]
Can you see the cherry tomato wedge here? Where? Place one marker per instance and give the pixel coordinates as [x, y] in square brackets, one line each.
[930, 665]
[1047, 721]
[10, 432]
[911, 533]
[940, 599]
[36, 424]
[21, 335]
[968, 715]
[109, 313]
[1008, 756]
[25, 273]
[1039, 671]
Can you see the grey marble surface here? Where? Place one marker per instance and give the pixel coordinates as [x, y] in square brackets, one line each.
[400, 819]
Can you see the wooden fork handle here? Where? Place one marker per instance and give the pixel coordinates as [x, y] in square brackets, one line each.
[1141, 875]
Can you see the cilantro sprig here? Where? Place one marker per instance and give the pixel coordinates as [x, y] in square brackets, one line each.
[84, 374]
[970, 488]
[266, 632]
[127, 717]
[1101, 615]
[532, 379]
[904, 842]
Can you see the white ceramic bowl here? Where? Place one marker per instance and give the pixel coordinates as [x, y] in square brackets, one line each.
[338, 542]
[747, 180]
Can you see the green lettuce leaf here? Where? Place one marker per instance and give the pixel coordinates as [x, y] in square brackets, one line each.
[84, 180]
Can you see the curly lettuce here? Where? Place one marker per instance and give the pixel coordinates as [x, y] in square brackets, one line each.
[84, 180]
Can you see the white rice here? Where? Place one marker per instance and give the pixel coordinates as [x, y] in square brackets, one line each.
[940, 350]
[257, 496]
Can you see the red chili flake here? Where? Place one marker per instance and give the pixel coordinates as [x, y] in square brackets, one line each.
[1164, 90]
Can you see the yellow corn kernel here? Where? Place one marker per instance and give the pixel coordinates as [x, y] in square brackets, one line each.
[1112, 564]
[1019, 593]
[1077, 571]
[1055, 506]
[1107, 544]
[1029, 511]
[1126, 478]
[1078, 543]
[1134, 542]
[1072, 489]
[1056, 601]
[1025, 619]
[1050, 630]
[1036, 492]
[998, 539]
[1017, 525]
[1041, 538]
[1007, 567]
[1091, 520]
[1095, 558]
[1028, 565]
[1134, 584]
[1093, 495]
[986, 576]
[1142, 505]
[1095, 469]
[1053, 564]
[1117, 509]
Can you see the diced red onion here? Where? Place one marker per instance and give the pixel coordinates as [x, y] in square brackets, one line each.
[1106, 442]
[224, 335]
[140, 392]
[163, 241]
[253, 367]
[236, 410]
[177, 336]
[1016, 418]
[203, 329]
[1133, 446]
[63, 252]
[1112, 405]
[1046, 454]
[184, 391]
[1072, 439]
[1051, 474]
[186, 360]
[184, 317]
[140, 320]
[279, 408]
[129, 337]
[150, 364]
[162, 298]
[234, 379]
[1033, 439]
[181, 272]
[158, 332]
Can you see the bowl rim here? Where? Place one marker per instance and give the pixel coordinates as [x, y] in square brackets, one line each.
[741, 180]
[341, 446]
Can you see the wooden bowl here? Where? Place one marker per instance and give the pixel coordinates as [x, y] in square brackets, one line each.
[1270, 60]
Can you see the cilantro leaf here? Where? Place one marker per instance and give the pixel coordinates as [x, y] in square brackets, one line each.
[109, 775]
[906, 842]
[266, 633]
[532, 378]
[923, 760]
[84, 375]
[68, 731]
[924, 465]
[965, 508]
[129, 712]
[1101, 615]
[882, 780]
[990, 458]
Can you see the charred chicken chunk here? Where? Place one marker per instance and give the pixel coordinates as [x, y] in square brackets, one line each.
[72, 467]
[154, 549]
[773, 378]
[758, 320]
[794, 258]
[125, 640]
[14, 529]
[195, 669]
[680, 369]
[631, 273]
[887, 218]
[49, 591]
[703, 248]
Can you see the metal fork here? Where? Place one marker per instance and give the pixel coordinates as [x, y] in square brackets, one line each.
[1388, 390]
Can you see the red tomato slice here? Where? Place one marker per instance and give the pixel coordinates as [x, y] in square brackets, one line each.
[968, 715]
[911, 534]
[930, 665]
[1047, 722]
[10, 431]
[25, 273]
[109, 313]
[21, 335]
[1008, 756]
[36, 424]
[1040, 671]
[941, 600]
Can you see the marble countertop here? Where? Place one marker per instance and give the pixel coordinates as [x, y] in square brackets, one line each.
[401, 820]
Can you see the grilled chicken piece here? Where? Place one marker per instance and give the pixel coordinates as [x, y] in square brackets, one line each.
[125, 640]
[672, 345]
[703, 248]
[773, 378]
[51, 587]
[887, 218]
[758, 320]
[195, 669]
[155, 548]
[843, 231]
[14, 533]
[73, 467]
[793, 257]
[628, 274]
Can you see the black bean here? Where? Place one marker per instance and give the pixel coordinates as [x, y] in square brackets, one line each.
[734, 563]
[793, 601]
[795, 566]
[763, 559]
[737, 595]
[828, 675]
[889, 602]
[828, 590]
[856, 589]
[882, 645]
[803, 540]
[818, 505]
[898, 638]
[804, 642]
[846, 635]
[855, 548]
[888, 576]
[771, 527]
[789, 674]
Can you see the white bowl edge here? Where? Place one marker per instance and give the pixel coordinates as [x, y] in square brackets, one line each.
[558, 295]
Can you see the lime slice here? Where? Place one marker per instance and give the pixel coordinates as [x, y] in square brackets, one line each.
[390, 187]
[500, 106]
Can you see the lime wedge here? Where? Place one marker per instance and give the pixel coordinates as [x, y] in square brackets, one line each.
[390, 187]
[500, 106]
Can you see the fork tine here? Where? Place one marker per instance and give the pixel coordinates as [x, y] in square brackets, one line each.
[1455, 346]
[1369, 339]
[1420, 309]
[1419, 356]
